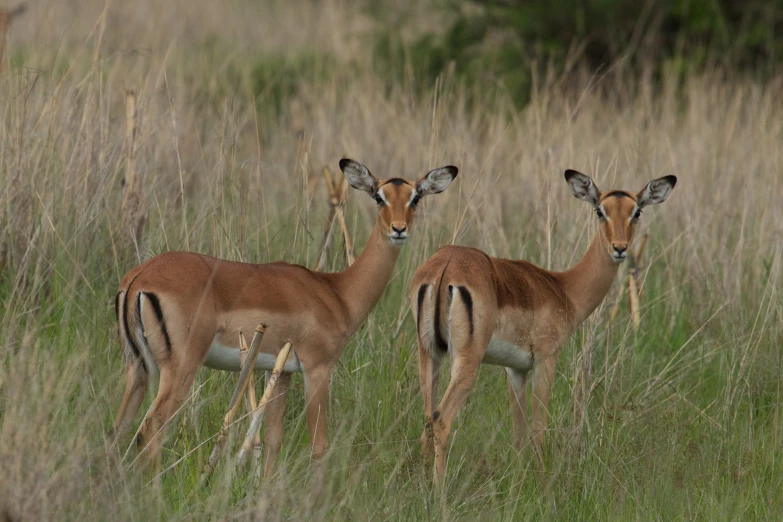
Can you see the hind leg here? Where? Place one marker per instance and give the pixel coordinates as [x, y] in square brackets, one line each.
[174, 389]
[135, 389]
[275, 414]
[517, 397]
[543, 378]
[464, 370]
[429, 368]
[317, 399]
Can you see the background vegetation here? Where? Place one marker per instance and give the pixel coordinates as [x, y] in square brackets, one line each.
[516, 44]
[240, 103]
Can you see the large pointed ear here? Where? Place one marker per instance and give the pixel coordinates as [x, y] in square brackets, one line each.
[583, 187]
[656, 191]
[358, 176]
[436, 181]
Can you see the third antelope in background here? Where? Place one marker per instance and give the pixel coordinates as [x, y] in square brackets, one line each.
[475, 308]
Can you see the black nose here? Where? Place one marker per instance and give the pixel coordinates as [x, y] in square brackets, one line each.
[620, 249]
[400, 230]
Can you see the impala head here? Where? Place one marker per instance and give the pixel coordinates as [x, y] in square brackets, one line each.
[618, 210]
[397, 198]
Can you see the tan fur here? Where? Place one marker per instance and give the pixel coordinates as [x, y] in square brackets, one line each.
[528, 311]
[204, 299]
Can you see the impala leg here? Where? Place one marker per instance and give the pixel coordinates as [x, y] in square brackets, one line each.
[135, 389]
[317, 398]
[543, 378]
[517, 382]
[174, 389]
[463, 376]
[273, 430]
[429, 368]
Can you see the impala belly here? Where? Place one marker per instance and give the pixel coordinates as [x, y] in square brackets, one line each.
[510, 355]
[221, 357]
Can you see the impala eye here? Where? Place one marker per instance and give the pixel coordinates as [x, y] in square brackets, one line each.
[599, 213]
[379, 200]
[414, 201]
[637, 214]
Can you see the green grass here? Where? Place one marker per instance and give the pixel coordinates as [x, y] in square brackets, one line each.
[678, 420]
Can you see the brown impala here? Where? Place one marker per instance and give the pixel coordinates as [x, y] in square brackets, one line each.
[479, 309]
[180, 310]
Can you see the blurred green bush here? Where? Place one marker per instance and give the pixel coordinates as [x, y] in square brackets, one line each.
[507, 42]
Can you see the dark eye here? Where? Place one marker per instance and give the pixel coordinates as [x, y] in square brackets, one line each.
[379, 200]
[637, 214]
[599, 213]
[415, 201]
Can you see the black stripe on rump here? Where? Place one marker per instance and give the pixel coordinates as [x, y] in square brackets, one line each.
[159, 315]
[420, 299]
[439, 341]
[128, 335]
[117, 306]
[468, 300]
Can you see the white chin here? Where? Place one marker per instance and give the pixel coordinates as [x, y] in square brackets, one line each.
[397, 241]
[618, 259]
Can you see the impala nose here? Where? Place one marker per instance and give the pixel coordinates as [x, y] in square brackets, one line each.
[620, 248]
[399, 228]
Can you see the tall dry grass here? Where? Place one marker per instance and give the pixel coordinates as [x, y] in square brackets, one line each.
[679, 419]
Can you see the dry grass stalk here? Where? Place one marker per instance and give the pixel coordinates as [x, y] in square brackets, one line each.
[337, 193]
[348, 244]
[130, 140]
[133, 210]
[617, 300]
[258, 414]
[633, 301]
[251, 403]
[233, 405]
[312, 183]
[326, 242]
[634, 286]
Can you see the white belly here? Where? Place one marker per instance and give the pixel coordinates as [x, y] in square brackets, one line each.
[503, 353]
[226, 358]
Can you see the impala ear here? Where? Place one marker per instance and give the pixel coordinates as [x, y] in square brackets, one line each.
[436, 181]
[656, 191]
[358, 176]
[583, 187]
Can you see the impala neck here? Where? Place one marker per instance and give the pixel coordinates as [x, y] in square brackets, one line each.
[360, 286]
[587, 283]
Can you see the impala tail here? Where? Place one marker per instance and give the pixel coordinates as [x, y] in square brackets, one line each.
[141, 369]
[444, 315]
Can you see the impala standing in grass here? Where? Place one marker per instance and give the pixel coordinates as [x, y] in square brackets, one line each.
[475, 308]
[181, 310]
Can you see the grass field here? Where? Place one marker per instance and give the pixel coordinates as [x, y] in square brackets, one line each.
[238, 106]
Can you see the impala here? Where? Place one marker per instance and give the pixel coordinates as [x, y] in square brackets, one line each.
[181, 310]
[7, 17]
[479, 309]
